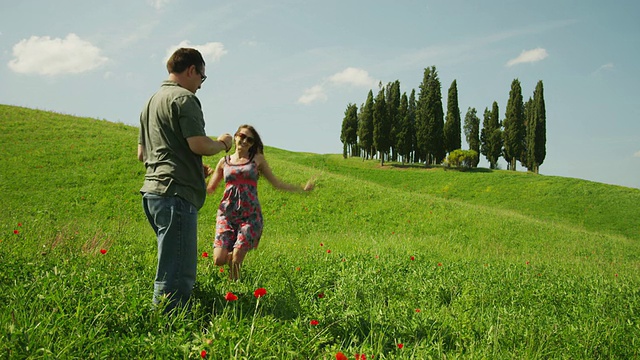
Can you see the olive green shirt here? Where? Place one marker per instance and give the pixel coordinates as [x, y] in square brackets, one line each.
[171, 116]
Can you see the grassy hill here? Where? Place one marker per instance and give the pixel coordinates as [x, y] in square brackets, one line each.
[470, 264]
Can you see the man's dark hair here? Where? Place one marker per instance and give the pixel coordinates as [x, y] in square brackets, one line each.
[182, 58]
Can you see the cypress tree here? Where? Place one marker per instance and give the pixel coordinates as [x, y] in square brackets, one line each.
[404, 129]
[540, 141]
[472, 132]
[349, 133]
[496, 139]
[411, 114]
[393, 104]
[430, 119]
[365, 126]
[452, 133]
[514, 130]
[491, 136]
[381, 125]
[421, 117]
[530, 133]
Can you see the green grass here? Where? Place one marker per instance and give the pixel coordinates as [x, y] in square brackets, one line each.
[505, 265]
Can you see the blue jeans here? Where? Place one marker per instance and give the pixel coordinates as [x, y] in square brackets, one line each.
[175, 222]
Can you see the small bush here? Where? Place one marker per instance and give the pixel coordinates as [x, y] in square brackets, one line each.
[462, 158]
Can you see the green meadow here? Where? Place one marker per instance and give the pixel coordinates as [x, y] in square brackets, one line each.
[392, 262]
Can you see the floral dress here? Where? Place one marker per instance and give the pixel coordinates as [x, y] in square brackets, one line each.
[239, 219]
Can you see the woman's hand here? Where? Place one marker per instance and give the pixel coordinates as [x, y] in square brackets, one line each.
[207, 170]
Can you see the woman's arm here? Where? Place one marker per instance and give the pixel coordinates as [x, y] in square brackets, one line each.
[265, 170]
[217, 176]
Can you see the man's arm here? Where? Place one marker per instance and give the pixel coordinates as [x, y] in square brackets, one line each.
[204, 145]
[140, 153]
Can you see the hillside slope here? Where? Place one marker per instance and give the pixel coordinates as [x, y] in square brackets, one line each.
[99, 155]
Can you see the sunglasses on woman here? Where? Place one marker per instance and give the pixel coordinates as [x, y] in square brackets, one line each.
[244, 137]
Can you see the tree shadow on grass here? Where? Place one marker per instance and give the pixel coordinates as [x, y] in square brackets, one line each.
[435, 167]
[469, 170]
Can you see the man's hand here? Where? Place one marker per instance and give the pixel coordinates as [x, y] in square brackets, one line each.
[227, 140]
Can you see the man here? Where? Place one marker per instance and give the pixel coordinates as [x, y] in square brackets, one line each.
[172, 142]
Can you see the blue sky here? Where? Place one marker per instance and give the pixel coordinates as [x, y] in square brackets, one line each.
[291, 67]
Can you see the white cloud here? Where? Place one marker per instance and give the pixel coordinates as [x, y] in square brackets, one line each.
[529, 56]
[47, 56]
[349, 76]
[604, 68]
[637, 154]
[158, 4]
[313, 94]
[353, 76]
[211, 51]
[608, 66]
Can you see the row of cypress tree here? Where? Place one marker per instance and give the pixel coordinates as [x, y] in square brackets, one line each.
[398, 127]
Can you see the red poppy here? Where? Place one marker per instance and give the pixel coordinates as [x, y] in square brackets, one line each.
[16, 232]
[221, 269]
[329, 251]
[320, 295]
[230, 296]
[298, 268]
[321, 244]
[19, 224]
[439, 264]
[203, 354]
[260, 292]
[400, 346]
[341, 356]
[103, 251]
[413, 258]
[205, 254]
[417, 310]
[314, 322]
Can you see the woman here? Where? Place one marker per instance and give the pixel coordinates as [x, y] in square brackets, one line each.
[239, 218]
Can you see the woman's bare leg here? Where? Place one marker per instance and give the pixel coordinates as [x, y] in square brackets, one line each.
[221, 257]
[237, 257]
